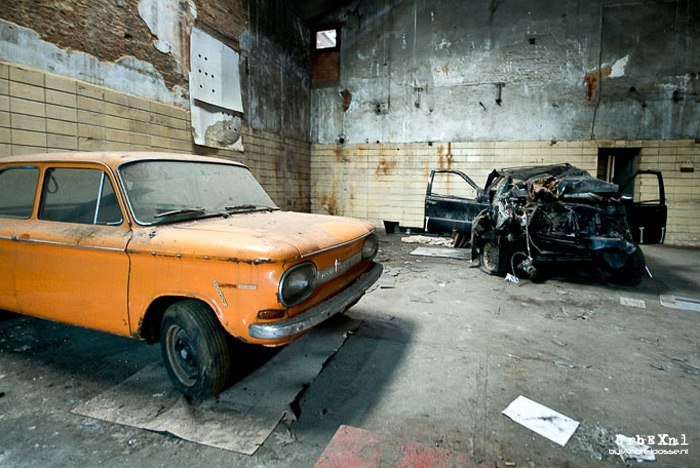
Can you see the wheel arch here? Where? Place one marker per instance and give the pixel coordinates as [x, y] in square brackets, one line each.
[149, 325]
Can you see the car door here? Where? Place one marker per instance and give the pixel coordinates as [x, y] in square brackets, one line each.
[18, 184]
[452, 201]
[644, 198]
[70, 262]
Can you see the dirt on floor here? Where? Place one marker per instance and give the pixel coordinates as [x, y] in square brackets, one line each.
[442, 349]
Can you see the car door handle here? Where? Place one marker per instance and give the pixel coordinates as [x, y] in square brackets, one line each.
[431, 202]
[21, 237]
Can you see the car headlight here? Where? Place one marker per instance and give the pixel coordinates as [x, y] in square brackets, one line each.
[297, 284]
[370, 247]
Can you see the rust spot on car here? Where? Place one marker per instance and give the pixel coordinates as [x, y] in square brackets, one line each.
[337, 154]
[255, 261]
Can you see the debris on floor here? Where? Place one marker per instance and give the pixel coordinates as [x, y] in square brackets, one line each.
[681, 303]
[631, 302]
[542, 420]
[630, 448]
[571, 365]
[443, 252]
[427, 240]
[595, 440]
[512, 278]
[387, 282]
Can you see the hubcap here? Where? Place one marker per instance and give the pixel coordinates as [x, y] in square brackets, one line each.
[181, 355]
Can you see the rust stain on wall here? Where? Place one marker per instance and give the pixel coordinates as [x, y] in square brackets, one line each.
[445, 159]
[591, 82]
[346, 95]
[446, 68]
[337, 154]
[384, 167]
[329, 203]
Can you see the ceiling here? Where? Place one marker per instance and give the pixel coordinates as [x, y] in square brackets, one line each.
[313, 11]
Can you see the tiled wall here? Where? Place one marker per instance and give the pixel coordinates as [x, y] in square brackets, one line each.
[387, 182]
[41, 112]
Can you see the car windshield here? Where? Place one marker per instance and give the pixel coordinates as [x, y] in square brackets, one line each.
[161, 192]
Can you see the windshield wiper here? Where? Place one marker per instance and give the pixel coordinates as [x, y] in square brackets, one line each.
[248, 207]
[180, 211]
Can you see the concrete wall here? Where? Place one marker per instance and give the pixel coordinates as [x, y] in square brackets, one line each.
[124, 65]
[434, 70]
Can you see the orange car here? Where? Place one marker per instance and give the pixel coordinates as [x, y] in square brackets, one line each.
[186, 250]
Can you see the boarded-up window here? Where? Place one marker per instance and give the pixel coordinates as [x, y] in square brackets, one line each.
[326, 57]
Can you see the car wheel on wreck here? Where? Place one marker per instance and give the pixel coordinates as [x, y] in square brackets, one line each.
[621, 267]
[493, 259]
[195, 349]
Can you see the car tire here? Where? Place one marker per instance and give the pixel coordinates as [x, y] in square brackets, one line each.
[490, 260]
[195, 349]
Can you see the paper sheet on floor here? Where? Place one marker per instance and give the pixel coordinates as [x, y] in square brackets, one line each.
[242, 417]
[538, 418]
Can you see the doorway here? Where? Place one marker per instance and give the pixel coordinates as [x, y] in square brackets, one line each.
[618, 165]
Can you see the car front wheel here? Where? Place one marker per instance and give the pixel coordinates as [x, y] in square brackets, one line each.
[490, 259]
[195, 349]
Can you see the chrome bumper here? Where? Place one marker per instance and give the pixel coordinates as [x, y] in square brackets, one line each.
[319, 313]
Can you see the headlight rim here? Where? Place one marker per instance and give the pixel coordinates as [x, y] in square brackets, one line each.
[307, 293]
[373, 238]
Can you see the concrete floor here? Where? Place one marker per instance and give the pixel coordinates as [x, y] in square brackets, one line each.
[436, 359]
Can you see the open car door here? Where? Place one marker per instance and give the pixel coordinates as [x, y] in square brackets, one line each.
[644, 198]
[452, 201]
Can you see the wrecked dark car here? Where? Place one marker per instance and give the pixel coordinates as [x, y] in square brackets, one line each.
[529, 219]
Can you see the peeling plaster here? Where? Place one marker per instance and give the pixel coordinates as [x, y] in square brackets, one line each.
[129, 75]
[171, 22]
[618, 68]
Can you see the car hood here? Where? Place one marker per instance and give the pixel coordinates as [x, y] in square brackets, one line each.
[252, 237]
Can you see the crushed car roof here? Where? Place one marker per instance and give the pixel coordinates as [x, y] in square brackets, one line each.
[570, 180]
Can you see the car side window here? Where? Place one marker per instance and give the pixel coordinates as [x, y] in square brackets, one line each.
[646, 189]
[449, 184]
[17, 191]
[84, 196]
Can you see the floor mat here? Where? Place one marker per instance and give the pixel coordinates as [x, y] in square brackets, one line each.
[242, 417]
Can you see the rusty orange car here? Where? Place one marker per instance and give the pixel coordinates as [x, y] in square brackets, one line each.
[184, 250]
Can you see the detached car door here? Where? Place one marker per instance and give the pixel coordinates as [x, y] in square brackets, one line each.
[70, 259]
[452, 201]
[644, 198]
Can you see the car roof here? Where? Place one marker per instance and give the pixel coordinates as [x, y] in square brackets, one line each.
[113, 158]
